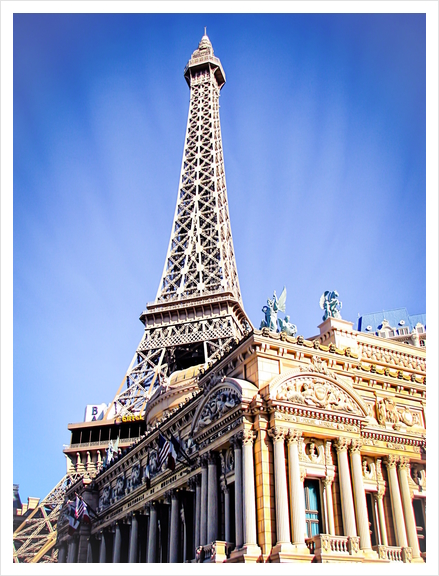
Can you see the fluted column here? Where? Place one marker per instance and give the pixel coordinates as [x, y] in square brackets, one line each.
[117, 544]
[360, 496]
[347, 502]
[134, 535]
[62, 554]
[239, 537]
[280, 486]
[212, 499]
[203, 515]
[395, 497]
[173, 541]
[249, 489]
[102, 549]
[297, 498]
[378, 496]
[329, 505]
[197, 510]
[152, 536]
[410, 523]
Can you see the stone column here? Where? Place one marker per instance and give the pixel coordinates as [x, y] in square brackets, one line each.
[203, 515]
[378, 496]
[329, 506]
[249, 489]
[117, 544]
[360, 496]
[62, 554]
[69, 552]
[395, 498]
[212, 499]
[297, 496]
[134, 534]
[152, 537]
[347, 502]
[410, 523]
[280, 487]
[89, 553]
[173, 541]
[239, 537]
[73, 550]
[225, 490]
[183, 522]
[197, 510]
[102, 549]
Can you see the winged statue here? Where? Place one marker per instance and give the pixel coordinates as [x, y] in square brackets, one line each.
[274, 305]
[330, 304]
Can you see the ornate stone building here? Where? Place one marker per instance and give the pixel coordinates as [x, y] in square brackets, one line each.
[282, 449]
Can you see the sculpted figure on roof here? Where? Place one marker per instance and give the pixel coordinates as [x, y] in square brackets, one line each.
[331, 304]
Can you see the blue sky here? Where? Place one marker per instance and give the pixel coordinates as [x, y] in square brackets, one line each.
[323, 123]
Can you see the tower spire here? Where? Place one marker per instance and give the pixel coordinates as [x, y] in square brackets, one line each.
[198, 310]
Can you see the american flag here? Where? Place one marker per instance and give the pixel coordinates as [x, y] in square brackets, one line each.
[164, 449]
[79, 508]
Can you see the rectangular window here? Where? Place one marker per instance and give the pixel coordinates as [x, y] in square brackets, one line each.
[419, 510]
[313, 512]
[372, 519]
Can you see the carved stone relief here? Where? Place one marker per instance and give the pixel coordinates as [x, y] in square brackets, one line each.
[369, 468]
[388, 412]
[218, 404]
[314, 391]
[314, 451]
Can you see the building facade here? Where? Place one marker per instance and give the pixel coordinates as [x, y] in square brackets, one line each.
[246, 445]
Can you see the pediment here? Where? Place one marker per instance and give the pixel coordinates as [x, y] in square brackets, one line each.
[319, 391]
[222, 399]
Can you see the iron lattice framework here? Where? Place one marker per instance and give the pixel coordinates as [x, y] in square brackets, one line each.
[198, 309]
[35, 538]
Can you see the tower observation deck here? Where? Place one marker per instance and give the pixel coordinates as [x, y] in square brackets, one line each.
[198, 309]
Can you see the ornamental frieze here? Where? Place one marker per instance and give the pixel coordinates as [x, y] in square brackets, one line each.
[388, 412]
[317, 392]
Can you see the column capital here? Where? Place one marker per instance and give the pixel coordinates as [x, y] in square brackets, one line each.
[342, 444]
[248, 437]
[327, 482]
[236, 440]
[212, 457]
[151, 505]
[294, 436]
[379, 494]
[404, 462]
[277, 434]
[193, 482]
[391, 461]
[224, 485]
[356, 445]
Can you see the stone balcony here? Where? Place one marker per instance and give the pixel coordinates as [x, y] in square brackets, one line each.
[327, 548]
[215, 553]
[394, 553]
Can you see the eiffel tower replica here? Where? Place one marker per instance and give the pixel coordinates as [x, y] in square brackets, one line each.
[196, 316]
[198, 309]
